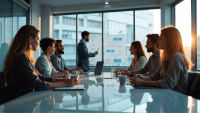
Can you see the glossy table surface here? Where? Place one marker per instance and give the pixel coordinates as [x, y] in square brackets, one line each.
[103, 95]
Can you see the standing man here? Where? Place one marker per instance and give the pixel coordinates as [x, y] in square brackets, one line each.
[82, 50]
[57, 61]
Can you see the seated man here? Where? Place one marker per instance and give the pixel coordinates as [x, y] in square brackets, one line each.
[153, 65]
[58, 62]
[43, 64]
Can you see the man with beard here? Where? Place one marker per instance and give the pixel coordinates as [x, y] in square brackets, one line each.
[57, 61]
[153, 65]
[83, 55]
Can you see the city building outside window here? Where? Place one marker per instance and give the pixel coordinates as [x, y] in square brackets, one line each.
[56, 34]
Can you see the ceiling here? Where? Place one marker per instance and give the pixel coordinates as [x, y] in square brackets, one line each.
[75, 2]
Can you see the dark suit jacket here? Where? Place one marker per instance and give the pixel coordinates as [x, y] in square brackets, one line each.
[24, 78]
[83, 56]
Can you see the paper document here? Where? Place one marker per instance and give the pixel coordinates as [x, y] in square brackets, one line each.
[77, 87]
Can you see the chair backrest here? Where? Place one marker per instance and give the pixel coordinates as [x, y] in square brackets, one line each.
[193, 88]
[2, 85]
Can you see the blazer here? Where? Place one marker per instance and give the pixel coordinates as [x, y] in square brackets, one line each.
[24, 78]
[83, 56]
[44, 66]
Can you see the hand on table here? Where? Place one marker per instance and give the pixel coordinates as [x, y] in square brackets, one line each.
[65, 72]
[136, 81]
[138, 76]
[126, 73]
[71, 82]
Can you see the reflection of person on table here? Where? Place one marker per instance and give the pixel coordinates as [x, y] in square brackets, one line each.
[136, 96]
[28, 103]
[85, 96]
[168, 101]
[139, 60]
[174, 64]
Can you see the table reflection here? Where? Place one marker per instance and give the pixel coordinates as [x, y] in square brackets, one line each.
[100, 95]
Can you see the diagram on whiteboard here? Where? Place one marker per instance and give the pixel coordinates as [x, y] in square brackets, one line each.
[115, 49]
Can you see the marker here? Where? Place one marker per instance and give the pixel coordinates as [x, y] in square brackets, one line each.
[97, 49]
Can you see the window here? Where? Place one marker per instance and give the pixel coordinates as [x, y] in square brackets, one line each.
[69, 21]
[198, 35]
[11, 20]
[147, 22]
[80, 22]
[56, 34]
[56, 19]
[70, 49]
[183, 24]
[94, 24]
[67, 30]
[70, 62]
[118, 30]
[93, 20]
[67, 34]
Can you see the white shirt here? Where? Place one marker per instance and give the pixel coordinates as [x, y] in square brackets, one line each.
[138, 64]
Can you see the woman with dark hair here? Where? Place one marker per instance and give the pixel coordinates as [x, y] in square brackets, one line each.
[140, 58]
[174, 64]
[20, 75]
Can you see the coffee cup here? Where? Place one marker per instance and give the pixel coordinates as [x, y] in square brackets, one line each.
[122, 79]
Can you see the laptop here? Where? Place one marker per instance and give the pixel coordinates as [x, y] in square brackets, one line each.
[98, 69]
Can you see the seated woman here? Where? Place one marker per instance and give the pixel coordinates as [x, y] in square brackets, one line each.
[139, 60]
[20, 75]
[174, 64]
[43, 63]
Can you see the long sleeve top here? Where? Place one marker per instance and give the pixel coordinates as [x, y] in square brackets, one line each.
[138, 64]
[58, 62]
[24, 78]
[176, 76]
[44, 66]
[151, 67]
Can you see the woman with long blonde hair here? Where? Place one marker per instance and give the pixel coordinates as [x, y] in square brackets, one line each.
[174, 64]
[20, 75]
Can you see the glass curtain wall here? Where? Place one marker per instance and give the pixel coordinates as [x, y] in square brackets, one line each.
[198, 35]
[12, 18]
[119, 32]
[146, 22]
[183, 23]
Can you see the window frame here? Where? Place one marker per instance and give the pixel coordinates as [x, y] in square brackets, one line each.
[102, 12]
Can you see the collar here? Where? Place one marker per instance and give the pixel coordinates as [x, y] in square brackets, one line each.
[44, 55]
[84, 41]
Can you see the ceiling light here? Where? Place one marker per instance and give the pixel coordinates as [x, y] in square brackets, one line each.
[106, 1]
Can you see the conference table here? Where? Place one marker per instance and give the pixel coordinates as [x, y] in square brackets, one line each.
[103, 93]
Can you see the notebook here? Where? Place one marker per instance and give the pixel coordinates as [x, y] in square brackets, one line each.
[77, 87]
